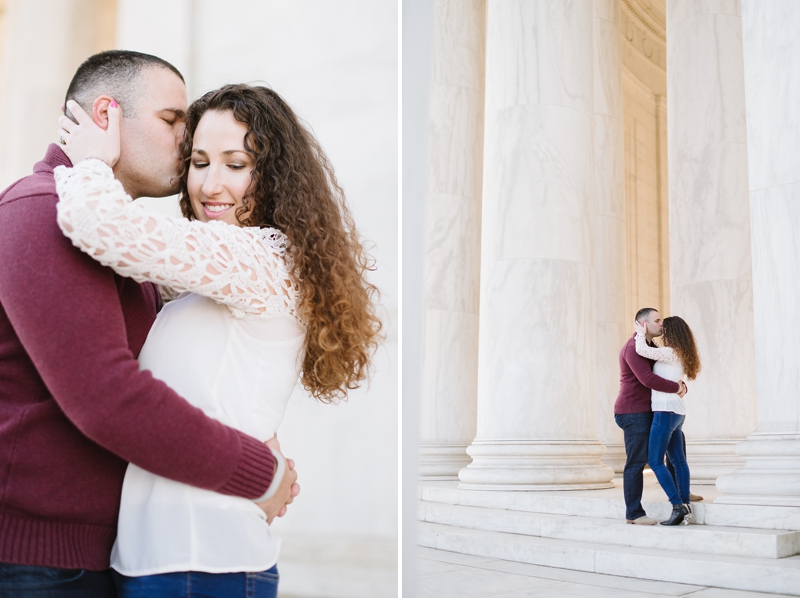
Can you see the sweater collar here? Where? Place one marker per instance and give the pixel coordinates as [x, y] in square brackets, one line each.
[55, 156]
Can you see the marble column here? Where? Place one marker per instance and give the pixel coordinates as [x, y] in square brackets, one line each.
[448, 409]
[537, 347]
[709, 224]
[613, 322]
[771, 474]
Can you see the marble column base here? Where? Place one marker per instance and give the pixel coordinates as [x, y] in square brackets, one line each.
[615, 457]
[771, 475]
[442, 461]
[710, 459]
[536, 465]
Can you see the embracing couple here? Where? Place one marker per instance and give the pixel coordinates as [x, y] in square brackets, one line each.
[166, 467]
[650, 410]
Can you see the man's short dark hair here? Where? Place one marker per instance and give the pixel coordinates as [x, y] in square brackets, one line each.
[643, 313]
[115, 73]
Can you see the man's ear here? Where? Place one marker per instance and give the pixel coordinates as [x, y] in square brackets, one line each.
[100, 111]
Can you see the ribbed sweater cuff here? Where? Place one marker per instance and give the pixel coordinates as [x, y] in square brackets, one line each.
[253, 472]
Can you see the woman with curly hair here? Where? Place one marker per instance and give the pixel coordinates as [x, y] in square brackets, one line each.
[268, 277]
[676, 360]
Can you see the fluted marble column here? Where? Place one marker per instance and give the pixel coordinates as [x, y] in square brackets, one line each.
[537, 348]
[452, 239]
[771, 475]
[613, 323]
[709, 223]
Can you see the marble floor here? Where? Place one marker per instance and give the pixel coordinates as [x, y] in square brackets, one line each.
[443, 574]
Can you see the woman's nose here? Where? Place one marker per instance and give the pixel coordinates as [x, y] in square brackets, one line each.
[212, 183]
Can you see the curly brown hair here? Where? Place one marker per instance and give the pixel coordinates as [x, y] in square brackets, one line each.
[678, 335]
[294, 189]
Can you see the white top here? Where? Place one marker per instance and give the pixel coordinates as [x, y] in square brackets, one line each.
[231, 345]
[668, 366]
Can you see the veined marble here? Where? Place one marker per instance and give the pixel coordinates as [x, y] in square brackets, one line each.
[538, 185]
[542, 54]
[771, 474]
[452, 238]
[710, 265]
[537, 343]
[609, 225]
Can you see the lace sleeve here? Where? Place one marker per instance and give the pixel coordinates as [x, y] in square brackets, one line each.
[665, 354]
[243, 268]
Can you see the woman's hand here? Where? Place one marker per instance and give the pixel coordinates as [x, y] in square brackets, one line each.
[86, 139]
[640, 328]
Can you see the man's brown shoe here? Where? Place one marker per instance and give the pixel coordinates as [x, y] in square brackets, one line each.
[694, 497]
[641, 521]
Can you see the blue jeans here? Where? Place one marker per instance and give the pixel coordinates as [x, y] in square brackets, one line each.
[666, 436]
[636, 429]
[26, 581]
[195, 584]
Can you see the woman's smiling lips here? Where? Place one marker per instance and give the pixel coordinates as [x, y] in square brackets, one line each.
[215, 209]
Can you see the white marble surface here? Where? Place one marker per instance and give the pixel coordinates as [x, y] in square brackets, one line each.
[610, 229]
[709, 223]
[539, 53]
[771, 64]
[771, 67]
[538, 179]
[452, 237]
[736, 573]
[609, 504]
[536, 364]
[701, 539]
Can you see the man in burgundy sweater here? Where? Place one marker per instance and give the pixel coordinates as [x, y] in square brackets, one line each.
[633, 414]
[74, 407]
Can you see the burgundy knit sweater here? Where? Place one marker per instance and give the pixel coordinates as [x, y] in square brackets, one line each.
[636, 381]
[74, 407]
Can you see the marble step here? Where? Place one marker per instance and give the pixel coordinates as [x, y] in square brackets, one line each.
[777, 576]
[609, 505]
[701, 539]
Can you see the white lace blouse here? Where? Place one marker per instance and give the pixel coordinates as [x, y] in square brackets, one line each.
[668, 365]
[230, 344]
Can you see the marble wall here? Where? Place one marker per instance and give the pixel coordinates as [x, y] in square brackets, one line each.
[452, 238]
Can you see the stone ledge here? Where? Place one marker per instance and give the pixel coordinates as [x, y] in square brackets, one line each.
[780, 576]
[703, 539]
[609, 504]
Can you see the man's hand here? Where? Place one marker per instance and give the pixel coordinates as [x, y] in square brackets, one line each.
[682, 390]
[288, 489]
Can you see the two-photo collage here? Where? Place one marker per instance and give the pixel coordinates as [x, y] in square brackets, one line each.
[399, 298]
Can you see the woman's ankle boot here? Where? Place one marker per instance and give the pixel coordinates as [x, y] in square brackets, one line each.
[679, 513]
